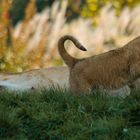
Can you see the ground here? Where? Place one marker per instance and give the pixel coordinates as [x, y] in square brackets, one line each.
[57, 115]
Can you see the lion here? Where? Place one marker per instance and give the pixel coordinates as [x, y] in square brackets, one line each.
[53, 77]
[110, 70]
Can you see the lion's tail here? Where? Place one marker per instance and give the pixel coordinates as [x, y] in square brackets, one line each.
[68, 59]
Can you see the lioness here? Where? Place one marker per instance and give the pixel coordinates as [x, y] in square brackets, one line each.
[110, 70]
[56, 77]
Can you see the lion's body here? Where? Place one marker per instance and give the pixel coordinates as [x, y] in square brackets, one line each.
[110, 70]
[56, 77]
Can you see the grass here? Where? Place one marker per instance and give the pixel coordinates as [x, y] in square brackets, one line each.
[57, 115]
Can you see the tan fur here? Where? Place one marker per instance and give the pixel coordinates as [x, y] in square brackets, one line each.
[110, 70]
[56, 77]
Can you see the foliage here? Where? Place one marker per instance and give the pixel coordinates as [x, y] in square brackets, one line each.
[18, 7]
[17, 10]
[41, 4]
[85, 8]
[34, 39]
[92, 7]
[60, 115]
[11, 56]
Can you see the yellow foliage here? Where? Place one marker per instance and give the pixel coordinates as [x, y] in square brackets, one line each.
[93, 7]
[11, 58]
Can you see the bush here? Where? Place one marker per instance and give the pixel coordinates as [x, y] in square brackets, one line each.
[85, 8]
[92, 7]
[18, 8]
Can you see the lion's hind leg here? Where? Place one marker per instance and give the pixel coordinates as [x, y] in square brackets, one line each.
[80, 85]
[135, 70]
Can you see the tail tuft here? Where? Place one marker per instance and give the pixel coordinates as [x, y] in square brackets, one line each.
[83, 48]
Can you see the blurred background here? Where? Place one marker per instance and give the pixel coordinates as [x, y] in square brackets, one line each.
[30, 29]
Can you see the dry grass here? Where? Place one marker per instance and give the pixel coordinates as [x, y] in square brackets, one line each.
[35, 38]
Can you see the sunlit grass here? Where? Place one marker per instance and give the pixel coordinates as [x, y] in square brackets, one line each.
[35, 38]
[60, 115]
